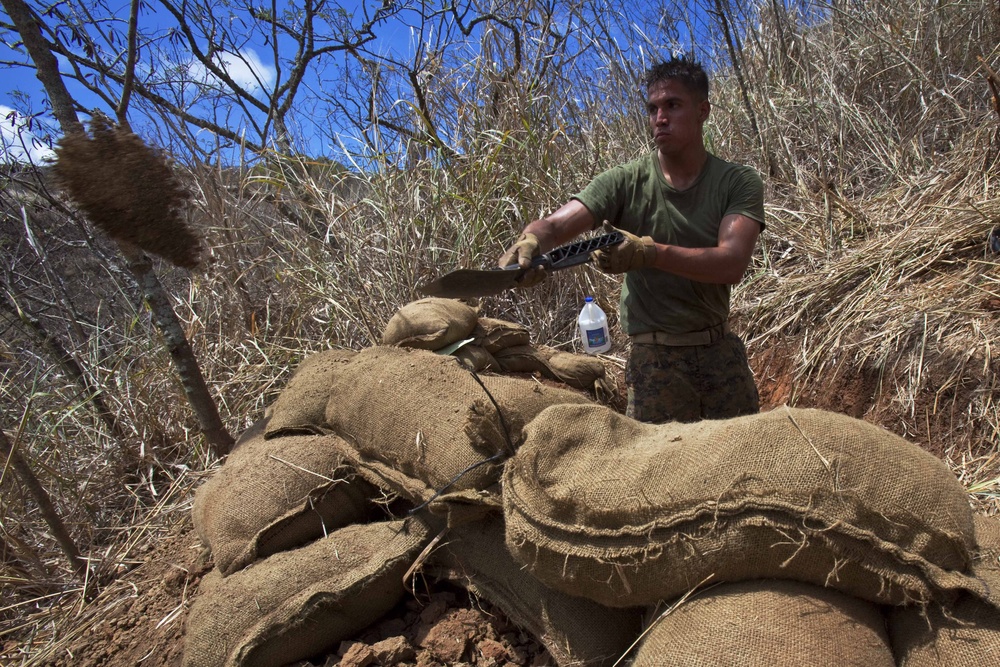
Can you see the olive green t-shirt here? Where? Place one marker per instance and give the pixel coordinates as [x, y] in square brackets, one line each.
[637, 198]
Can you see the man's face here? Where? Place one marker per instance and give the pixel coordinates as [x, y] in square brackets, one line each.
[675, 116]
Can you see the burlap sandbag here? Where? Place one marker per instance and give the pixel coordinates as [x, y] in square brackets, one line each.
[523, 359]
[576, 370]
[430, 324]
[422, 423]
[277, 494]
[582, 372]
[298, 604]
[476, 358]
[963, 632]
[767, 623]
[576, 631]
[603, 506]
[495, 335]
[299, 407]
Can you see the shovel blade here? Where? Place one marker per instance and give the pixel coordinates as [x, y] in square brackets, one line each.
[468, 283]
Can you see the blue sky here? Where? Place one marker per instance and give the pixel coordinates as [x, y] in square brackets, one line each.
[251, 63]
[22, 95]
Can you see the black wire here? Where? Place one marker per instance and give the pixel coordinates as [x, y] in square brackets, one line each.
[495, 457]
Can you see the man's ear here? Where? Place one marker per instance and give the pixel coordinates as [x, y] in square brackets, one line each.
[704, 109]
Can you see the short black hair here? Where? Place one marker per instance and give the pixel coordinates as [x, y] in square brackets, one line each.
[684, 69]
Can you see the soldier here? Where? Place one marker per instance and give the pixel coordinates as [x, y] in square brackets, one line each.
[691, 222]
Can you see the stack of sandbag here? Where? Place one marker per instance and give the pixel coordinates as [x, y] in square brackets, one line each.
[273, 495]
[489, 344]
[303, 517]
[803, 520]
[790, 537]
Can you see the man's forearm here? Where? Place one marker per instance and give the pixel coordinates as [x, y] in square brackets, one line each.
[562, 225]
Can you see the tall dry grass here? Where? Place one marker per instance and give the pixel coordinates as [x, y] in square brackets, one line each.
[874, 128]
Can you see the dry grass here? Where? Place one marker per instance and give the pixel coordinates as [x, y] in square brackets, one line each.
[883, 144]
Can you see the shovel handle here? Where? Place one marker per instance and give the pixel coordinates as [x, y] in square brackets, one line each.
[572, 254]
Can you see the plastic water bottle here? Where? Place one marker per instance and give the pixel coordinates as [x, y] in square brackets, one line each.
[594, 328]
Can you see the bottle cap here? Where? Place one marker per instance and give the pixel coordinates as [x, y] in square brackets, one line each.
[589, 299]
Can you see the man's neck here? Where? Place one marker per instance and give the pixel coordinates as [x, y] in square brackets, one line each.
[681, 171]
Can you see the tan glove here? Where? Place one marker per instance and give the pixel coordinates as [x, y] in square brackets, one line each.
[522, 253]
[632, 253]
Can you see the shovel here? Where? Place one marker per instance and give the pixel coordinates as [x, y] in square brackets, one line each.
[466, 283]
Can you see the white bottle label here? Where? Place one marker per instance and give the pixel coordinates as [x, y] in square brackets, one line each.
[596, 337]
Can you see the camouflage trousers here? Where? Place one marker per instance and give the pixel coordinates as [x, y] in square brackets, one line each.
[691, 382]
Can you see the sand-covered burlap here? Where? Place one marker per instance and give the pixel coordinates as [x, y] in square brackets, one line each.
[523, 359]
[430, 324]
[300, 406]
[576, 631]
[476, 358]
[422, 423]
[494, 335]
[962, 632]
[297, 604]
[580, 371]
[767, 623]
[576, 370]
[626, 513]
[278, 494]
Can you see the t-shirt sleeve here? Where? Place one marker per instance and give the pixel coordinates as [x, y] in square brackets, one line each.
[746, 196]
[604, 196]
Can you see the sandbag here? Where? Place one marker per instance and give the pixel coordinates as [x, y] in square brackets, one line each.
[420, 422]
[277, 494]
[765, 623]
[494, 335]
[580, 371]
[300, 406]
[297, 604]
[476, 358]
[626, 513]
[430, 324]
[961, 632]
[574, 630]
[523, 359]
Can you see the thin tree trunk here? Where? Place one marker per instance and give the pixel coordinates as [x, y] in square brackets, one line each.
[63, 107]
[185, 362]
[21, 468]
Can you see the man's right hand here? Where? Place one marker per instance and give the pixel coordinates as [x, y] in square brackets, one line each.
[522, 253]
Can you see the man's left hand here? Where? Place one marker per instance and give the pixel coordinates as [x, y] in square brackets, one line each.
[633, 253]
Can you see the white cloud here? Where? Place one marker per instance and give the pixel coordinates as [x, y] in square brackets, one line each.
[246, 69]
[17, 143]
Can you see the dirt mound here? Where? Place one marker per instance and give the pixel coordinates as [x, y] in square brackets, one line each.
[140, 618]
